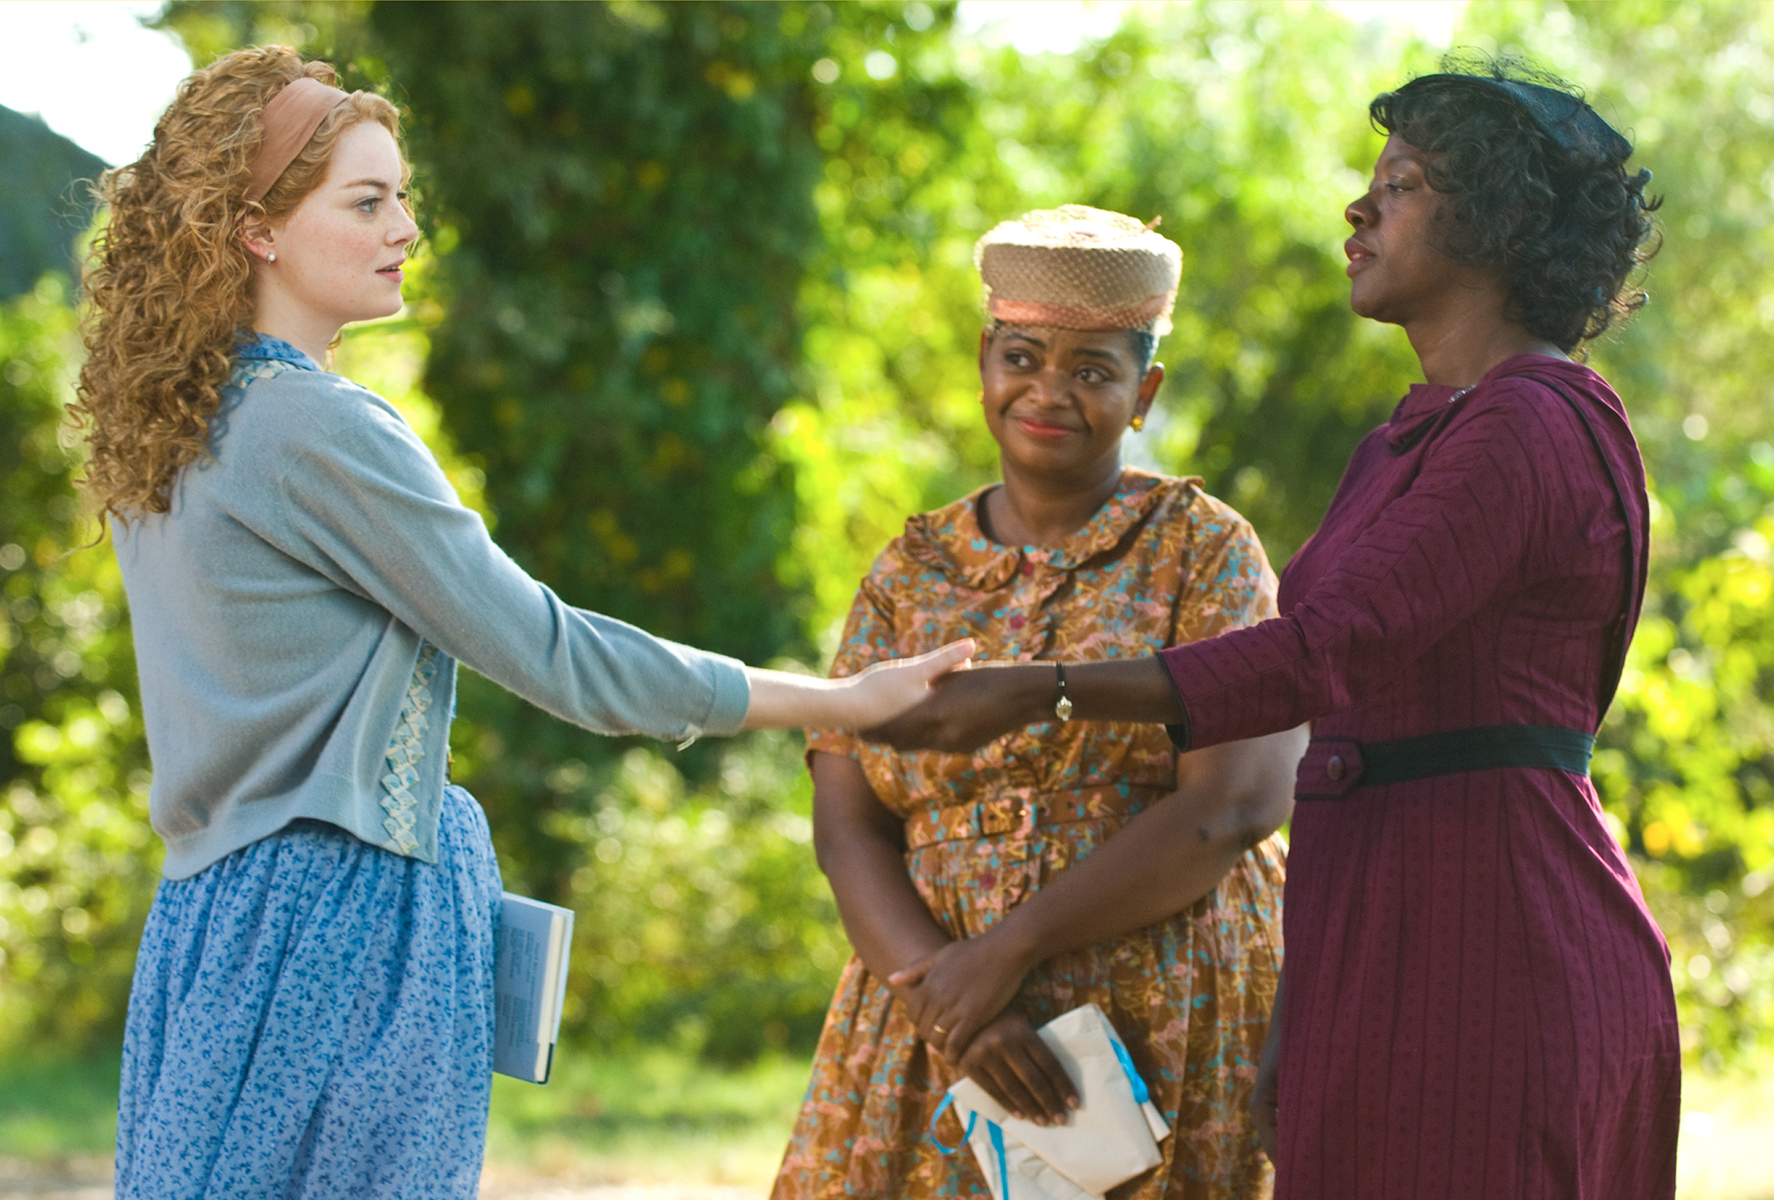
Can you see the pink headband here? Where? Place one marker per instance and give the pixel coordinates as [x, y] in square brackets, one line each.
[288, 121]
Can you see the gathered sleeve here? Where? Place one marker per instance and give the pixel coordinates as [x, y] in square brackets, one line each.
[1465, 530]
[364, 503]
[869, 638]
[1229, 584]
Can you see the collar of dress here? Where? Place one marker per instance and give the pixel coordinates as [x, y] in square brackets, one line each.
[951, 540]
[1428, 402]
[265, 348]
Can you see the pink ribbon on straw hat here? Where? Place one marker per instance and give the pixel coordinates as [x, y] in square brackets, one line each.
[289, 120]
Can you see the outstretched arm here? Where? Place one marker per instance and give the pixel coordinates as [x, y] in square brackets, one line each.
[780, 700]
[361, 500]
[1228, 798]
[966, 711]
[1469, 525]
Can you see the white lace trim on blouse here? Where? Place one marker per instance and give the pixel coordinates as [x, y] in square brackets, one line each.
[405, 752]
[248, 369]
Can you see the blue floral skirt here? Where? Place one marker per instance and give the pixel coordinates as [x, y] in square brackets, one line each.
[313, 1017]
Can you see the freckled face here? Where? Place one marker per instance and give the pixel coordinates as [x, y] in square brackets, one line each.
[339, 252]
[1058, 399]
[1396, 272]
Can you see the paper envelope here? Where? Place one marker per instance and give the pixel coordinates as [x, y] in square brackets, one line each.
[1111, 1137]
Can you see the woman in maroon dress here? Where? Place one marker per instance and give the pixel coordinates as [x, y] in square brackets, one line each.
[1477, 1003]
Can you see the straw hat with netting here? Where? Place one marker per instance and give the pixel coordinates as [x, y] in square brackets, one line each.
[1075, 267]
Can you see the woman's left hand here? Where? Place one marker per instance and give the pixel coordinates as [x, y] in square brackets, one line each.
[960, 989]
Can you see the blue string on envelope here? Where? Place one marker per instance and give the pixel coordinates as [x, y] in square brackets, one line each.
[937, 1116]
[1140, 1094]
[995, 1130]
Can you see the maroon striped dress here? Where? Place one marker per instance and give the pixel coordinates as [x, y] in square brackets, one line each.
[1477, 1002]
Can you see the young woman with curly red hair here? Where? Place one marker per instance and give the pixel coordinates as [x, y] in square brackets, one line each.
[312, 1012]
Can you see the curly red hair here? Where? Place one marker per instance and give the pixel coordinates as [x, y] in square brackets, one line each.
[168, 282]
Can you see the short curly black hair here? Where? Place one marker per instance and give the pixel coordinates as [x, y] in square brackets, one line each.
[1537, 183]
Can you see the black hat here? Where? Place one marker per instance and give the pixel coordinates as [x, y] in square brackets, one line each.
[1566, 119]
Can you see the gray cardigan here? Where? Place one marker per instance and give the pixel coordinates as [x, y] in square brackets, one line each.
[300, 610]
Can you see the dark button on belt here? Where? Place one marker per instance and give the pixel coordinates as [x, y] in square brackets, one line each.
[1334, 768]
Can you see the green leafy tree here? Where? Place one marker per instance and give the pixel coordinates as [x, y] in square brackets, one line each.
[77, 861]
[624, 193]
[1240, 127]
[702, 308]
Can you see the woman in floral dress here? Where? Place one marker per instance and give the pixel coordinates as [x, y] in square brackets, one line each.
[1109, 869]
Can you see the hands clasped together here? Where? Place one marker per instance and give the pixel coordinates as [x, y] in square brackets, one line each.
[959, 998]
[1164, 858]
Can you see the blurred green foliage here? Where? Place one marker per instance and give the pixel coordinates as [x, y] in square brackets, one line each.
[652, 1115]
[1232, 124]
[702, 923]
[697, 329]
[57, 1103]
[625, 192]
[77, 864]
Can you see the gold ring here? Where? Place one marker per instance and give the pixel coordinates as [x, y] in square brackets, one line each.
[939, 1029]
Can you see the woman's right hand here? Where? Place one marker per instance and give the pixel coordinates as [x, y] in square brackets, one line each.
[955, 992]
[886, 690]
[872, 697]
[966, 710]
[1010, 1061]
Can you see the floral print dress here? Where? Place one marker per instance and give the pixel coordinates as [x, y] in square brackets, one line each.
[1161, 563]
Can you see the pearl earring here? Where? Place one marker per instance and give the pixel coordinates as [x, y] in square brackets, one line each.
[271, 257]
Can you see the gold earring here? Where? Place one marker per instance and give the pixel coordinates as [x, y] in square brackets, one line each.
[1138, 423]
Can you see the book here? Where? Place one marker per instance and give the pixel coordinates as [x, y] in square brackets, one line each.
[529, 986]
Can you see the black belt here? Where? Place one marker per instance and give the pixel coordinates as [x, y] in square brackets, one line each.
[1333, 766]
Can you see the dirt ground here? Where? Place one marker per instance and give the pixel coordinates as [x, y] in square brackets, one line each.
[1723, 1157]
[89, 1178]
